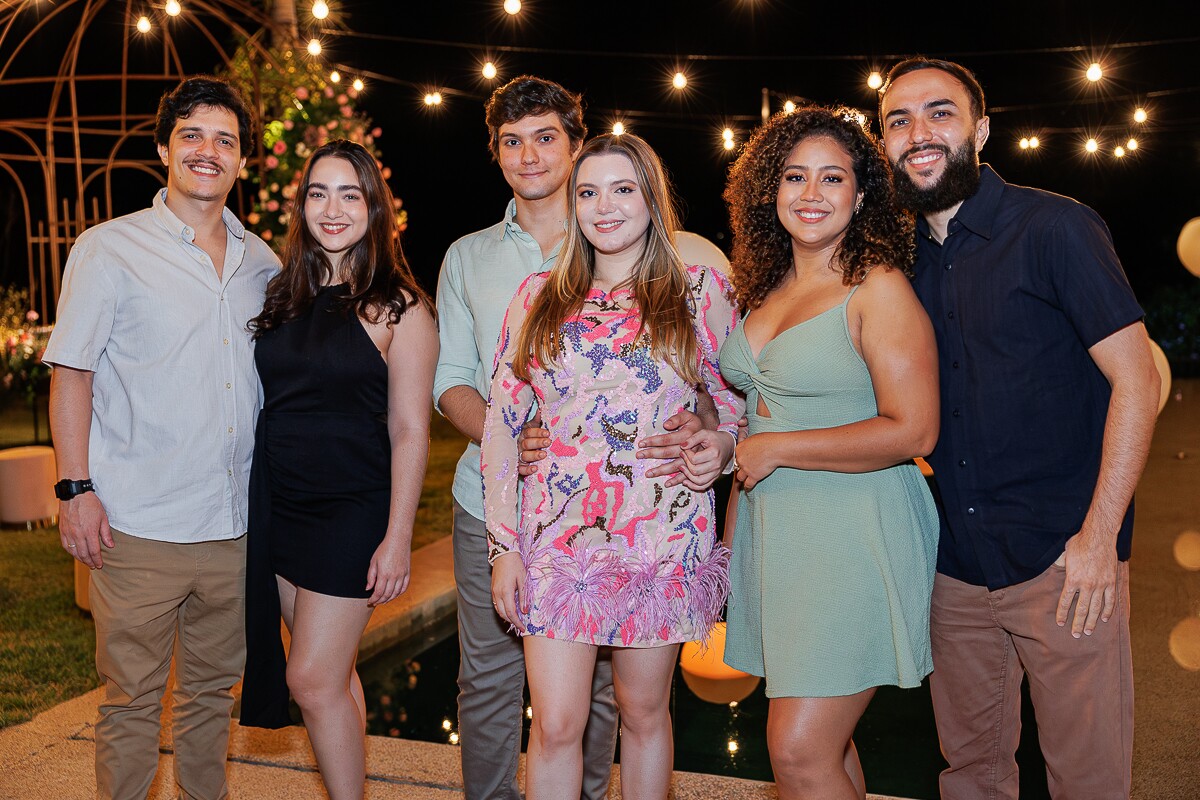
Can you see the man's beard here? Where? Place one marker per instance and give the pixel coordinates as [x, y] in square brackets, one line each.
[960, 180]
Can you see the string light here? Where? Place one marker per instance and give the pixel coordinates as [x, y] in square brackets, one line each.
[1119, 152]
[1132, 144]
[529, 712]
[1091, 145]
[335, 77]
[1024, 143]
[173, 8]
[1140, 115]
[358, 84]
[733, 746]
[727, 134]
[447, 724]
[453, 738]
[314, 47]
[489, 70]
[789, 107]
[679, 81]
[512, 6]
[433, 99]
[875, 80]
[618, 128]
[320, 9]
[143, 24]
[1094, 72]
[1034, 142]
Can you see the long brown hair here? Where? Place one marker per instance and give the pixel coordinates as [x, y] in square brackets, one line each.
[381, 284]
[659, 280]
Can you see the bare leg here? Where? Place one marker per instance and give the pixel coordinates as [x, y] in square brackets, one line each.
[642, 679]
[320, 673]
[811, 750]
[560, 690]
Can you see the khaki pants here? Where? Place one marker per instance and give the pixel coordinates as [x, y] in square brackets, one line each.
[153, 600]
[491, 682]
[1082, 689]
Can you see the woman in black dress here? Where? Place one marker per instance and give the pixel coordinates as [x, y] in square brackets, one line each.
[346, 347]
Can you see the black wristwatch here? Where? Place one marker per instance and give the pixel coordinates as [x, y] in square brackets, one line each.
[67, 489]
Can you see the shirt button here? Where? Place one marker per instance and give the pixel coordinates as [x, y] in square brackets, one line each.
[954, 365]
[955, 413]
[229, 386]
[228, 472]
[231, 429]
[950, 315]
[962, 462]
[971, 511]
[949, 267]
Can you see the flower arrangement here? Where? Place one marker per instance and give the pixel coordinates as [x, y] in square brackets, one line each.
[304, 109]
[22, 343]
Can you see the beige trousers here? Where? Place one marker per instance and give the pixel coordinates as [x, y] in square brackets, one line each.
[153, 601]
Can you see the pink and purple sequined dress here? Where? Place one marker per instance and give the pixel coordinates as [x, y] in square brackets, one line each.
[611, 557]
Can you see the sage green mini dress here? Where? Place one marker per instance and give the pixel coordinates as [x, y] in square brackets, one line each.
[832, 572]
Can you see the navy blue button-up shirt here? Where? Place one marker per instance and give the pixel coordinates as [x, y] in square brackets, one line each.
[1025, 282]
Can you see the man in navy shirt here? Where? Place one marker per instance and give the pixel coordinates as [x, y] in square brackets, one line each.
[1048, 400]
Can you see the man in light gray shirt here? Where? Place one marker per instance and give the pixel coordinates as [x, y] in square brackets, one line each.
[152, 406]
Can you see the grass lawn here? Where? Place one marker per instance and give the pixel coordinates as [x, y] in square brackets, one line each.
[47, 644]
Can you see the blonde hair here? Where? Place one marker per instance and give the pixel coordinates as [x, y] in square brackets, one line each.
[659, 280]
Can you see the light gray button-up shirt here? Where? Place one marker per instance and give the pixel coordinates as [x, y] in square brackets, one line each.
[481, 273]
[175, 391]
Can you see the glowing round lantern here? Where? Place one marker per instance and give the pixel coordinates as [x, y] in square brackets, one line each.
[709, 677]
[695, 249]
[1164, 374]
[1188, 246]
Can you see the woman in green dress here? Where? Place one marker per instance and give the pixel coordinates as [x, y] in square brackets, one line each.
[836, 532]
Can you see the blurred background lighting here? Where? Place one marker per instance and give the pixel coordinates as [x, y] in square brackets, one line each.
[314, 47]
[1132, 144]
[320, 9]
[433, 99]
[1119, 152]
[358, 84]
[143, 24]
[512, 6]
[679, 81]
[173, 8]
[1091, 145]
[1024, 144]
[618, 128]
[489, 70]
[1094, 72]
[1034, 141]
[1139, 114]
[874, 80]
[335, 77]
[789, 107]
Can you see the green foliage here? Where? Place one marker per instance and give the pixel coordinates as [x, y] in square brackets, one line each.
[22, 342]
[303, 109]
[1173, 320]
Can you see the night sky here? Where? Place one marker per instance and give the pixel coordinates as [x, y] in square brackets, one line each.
[1029, 57]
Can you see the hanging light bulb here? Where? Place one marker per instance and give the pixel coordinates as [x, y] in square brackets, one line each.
[1139, 115]
[618, 128]
[173, 8]
[728, 144]
[1094, 72]
[358, 84]
[1119, 151]
[489, 70]
[874, 80]
[1034, 142]
[433, 99]
[512, 6]
[1091, 145]
[335, 77]
[1132, 144]
[143, 24]
[320, 9]
[1024, 143]
[679, 81]
[314, 47]
[789, 107]
[727, 134]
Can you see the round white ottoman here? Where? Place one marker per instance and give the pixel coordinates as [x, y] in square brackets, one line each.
[27, 476]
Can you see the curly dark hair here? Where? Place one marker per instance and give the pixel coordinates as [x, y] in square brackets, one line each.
[203, 90]
[529, 96]
[879, 234]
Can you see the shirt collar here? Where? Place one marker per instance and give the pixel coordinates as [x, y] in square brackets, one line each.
[177, 227]
[510, 220]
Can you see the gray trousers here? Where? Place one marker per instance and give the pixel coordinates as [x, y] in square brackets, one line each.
[491, 682]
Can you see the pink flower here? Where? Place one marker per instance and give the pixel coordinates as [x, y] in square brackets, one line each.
[31, 316]
[331, 124]
[272, 206]
[301, 93]
[346, 111]
[342, 99]
[272, 162]
[329, 91]
[280, 147]
[288, 124]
